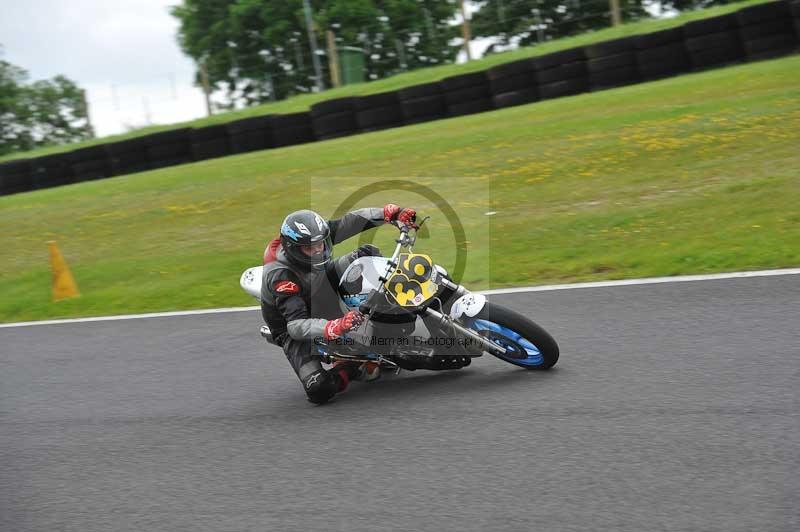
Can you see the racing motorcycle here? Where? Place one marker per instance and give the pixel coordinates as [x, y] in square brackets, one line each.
[408, 292]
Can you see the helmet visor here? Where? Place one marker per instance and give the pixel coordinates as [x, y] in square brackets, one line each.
[316, 254]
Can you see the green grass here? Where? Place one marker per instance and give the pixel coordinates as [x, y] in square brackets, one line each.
[417, 77]
[692, 174]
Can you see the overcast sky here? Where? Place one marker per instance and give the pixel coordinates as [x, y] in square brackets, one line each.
[123, 52]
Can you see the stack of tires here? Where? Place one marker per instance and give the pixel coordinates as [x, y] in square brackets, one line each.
[16, 176]
[250, 134]
[129, 156]
[661, 54]
[169, 148]
[794, 7]
[210, 142]
[467, 94]
[713, 42]
[612, 64]
[766, 30]
[562, 73]
[51, 170]
[513, 83]
[378, 111]
[90, 163]
[422, 103]
[291, 129]
[334, 118]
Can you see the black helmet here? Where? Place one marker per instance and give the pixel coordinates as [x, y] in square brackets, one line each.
[304, 229]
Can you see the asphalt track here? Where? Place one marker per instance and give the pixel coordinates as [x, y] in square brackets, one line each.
[673, 407]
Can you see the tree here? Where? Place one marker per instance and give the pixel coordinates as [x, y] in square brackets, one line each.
[526, 22]
[255, 50]
[41, 113]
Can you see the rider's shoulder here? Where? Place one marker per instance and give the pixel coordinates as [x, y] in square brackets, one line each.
[283, 281]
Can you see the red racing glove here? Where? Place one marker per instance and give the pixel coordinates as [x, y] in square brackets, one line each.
[393, 213]
[336, 328]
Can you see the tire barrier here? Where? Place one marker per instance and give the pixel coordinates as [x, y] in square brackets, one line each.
[250, 134]
[334, 118]
[210, 142]
[612, 64]
[513, 83]
[467, 94]
[752, 33]
[378, 111]
[129, 156]
[661, 54]
[16, 176]
[88, 164]
[713, 42]
[766, 30]
[422, 103]
[169, 148]
[562, 73]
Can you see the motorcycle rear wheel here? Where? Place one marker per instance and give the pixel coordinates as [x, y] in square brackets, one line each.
[529, 345]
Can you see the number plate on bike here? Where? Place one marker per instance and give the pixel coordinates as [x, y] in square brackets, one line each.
[412, 282]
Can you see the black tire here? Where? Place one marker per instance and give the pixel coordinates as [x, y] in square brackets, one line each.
[766, 29]
[335, 125]
[777, 44]
[211, 149]
[559, 89]
[51, 171]
[525, 328]
[616, 77]
[612, 47]
[725, 39]
[713, 58]
[129, 156]
[516, 82]
[662, 53]
[658, 38]
[468, 108]
[428, 108]
[16, 176]
[463, 81]
[180, 135]
[374, 101]
[301, 120]
[556, 59]
[763, 12]
[567, 71]
[514, 68]
[380, 118]
[91, 153]
[420, 91]
[467, 95]
[722, 23]
[201, 134]
[609, 62]
[328, 107]
[664, 69]
[291, 136]
[170, 150]
[510, 99]
[91, 170]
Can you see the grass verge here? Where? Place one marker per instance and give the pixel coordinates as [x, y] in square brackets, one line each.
[693, 174]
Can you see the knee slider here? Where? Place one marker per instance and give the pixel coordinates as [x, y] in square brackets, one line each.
[320, 386]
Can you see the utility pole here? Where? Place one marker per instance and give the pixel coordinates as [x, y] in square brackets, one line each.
[465, 31]
[85, 105]
[333, 63]
[206, 87]
[312, 40]
[616, 16]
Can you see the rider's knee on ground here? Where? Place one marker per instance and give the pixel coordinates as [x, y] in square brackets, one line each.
[322, 385]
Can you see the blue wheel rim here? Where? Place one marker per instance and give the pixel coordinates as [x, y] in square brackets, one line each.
[534, 355]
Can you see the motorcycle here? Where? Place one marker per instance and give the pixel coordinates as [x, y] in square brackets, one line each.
[408, 292]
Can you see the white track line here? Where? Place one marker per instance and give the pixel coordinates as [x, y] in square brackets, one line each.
[547, 288]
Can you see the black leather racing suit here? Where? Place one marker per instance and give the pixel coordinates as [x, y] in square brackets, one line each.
[296, 304]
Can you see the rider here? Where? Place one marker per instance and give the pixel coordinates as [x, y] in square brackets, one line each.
[298, 298]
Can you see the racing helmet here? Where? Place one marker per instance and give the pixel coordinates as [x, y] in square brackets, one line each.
[306, 240]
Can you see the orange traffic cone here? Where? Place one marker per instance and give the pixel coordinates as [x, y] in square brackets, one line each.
[63, 283]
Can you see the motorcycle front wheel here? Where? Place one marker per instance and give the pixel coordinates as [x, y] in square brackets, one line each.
[527, 344]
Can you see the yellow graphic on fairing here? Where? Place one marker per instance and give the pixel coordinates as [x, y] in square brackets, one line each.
[411, 283]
